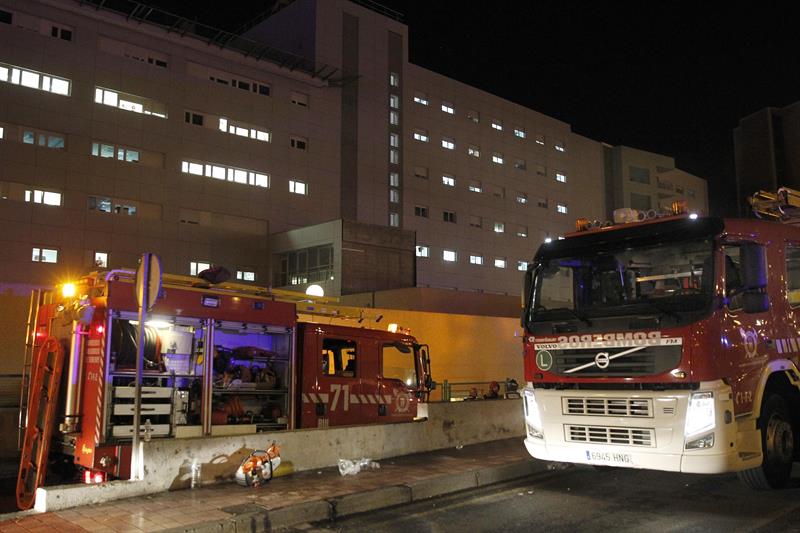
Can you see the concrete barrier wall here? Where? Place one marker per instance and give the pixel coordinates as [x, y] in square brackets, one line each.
[168, 461]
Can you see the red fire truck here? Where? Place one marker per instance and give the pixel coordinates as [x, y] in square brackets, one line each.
[671, 343]
[219, 360]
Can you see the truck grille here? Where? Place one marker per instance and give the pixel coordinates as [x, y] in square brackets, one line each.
[610, 435]
[648, 361]
[629, 407]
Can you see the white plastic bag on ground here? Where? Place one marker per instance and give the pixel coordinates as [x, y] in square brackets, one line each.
[351, 468]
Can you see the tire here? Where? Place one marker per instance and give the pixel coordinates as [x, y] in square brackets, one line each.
[777, 446]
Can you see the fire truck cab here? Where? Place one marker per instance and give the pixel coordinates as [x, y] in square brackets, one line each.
[669, 344]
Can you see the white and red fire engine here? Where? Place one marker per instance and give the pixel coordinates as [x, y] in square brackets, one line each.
[670, 343]
[220, 359]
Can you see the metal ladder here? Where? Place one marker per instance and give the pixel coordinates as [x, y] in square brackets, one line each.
[37, 297]
[781, 206]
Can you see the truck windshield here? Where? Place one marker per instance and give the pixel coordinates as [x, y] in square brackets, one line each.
[664, 278]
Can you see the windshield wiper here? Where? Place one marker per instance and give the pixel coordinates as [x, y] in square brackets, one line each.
[567, 309]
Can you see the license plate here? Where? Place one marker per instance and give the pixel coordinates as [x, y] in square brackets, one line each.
[609, 458]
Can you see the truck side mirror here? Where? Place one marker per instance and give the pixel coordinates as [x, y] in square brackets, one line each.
[754, 278]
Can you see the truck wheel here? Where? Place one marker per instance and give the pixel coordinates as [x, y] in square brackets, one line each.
[777, 445]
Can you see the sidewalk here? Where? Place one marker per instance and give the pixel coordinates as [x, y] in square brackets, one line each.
[296, 498]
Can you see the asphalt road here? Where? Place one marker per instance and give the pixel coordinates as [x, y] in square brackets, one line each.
[584, 499]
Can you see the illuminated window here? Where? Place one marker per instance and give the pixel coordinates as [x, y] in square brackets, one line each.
[195, 267]
[522, 198]
[420, 98]
[43, 197]
[298, 187]
[45, 255]
[225, 173]
[129, 102]
[394, 179]
[500, 262]
[45, 139]
[394, 219]
[101, 259]
[520, 133]
[448, 144]
[522, 231]
[394, 118]
[449, 255]
[111, 151]
[34, 80]
[561, 177]
[475, 186]
[497, 157]
[522, 265]
[447, 107]
[394, 79]
[497, 125]
[241, 129]
[559, 146]
[499, 227]
[2, 132]
[448, 180]
[421, 135]
[394, 156]
[540, 139]
[476, 259]
[474, 116]
[107, 205]
[474, 151]
[394, 196]
[394, 140]
[423, 250]
[245, 275]
[561, 208]
[394, 101]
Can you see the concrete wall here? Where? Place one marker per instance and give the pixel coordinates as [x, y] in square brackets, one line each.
[168, 461]
[440, 301]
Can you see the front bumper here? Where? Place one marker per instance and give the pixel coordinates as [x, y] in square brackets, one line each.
[653, 441]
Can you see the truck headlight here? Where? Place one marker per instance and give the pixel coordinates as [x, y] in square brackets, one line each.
[533, 420]
[700, 417]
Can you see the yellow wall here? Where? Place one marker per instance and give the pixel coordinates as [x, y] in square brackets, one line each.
[463, 347]
[13, 315]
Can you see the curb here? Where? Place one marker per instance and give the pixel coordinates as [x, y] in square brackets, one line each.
[253, 518]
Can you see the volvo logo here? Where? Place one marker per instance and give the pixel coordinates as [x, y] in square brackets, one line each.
[602, 360]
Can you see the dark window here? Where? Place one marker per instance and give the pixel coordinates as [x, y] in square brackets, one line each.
[193, 118]
[300, 144]
[263, 89]
[448, 216]
[639, 175]
[54, 31]
[338, 358]
[420, 211]
[640, 201]
[66, 35]
[6, 17]
[242, 85]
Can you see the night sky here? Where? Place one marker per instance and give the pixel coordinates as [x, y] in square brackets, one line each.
[669, 77]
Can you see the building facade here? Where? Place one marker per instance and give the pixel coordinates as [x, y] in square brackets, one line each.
[648, 181]
[765, 152]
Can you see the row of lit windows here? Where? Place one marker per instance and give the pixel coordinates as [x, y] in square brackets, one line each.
[472, 150]
[238, 175]
[476, 186]
[34, 80]
[41, 254]
[447, 107]
[452, 256]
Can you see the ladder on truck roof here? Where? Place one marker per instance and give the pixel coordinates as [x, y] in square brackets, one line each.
[309, 305]
[781, 206]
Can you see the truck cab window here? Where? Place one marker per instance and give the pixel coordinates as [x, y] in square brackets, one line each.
[399, 364]
[338, 358]
[733, 277]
